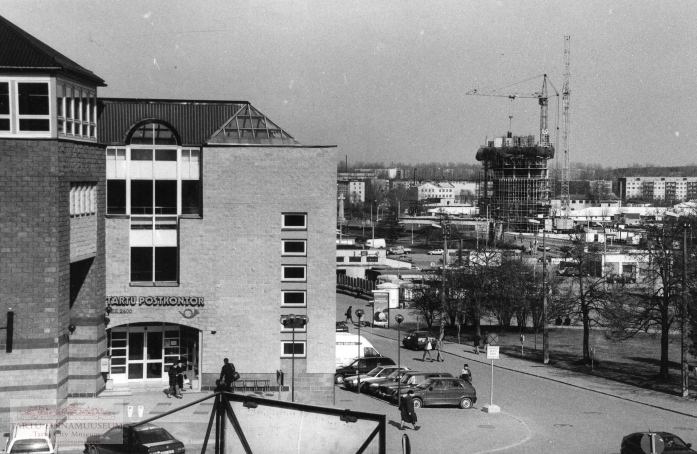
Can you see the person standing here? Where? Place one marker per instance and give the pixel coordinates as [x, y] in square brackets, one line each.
[172, 375]
[349, 314]
[180, 379]
[427, 350]
[406, 411]
[466, 373]
[475, 341]
[227, 374]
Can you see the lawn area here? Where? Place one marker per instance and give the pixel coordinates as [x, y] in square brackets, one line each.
[634, 361]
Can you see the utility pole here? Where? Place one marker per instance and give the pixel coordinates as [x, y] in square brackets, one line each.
[545, 335]
[446, 231]
[683, 319]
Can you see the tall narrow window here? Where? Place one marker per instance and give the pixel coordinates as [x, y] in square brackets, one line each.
[116, 196]
[4, 106]
[141, 264]
[141, 197]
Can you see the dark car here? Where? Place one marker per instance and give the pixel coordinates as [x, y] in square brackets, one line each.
[409, 380]
[416, 340]
[363, 365]
[143, 438]
[631, 444]
[444, 391]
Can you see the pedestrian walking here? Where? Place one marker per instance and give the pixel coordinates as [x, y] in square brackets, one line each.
[227, 375]
[475, 342]
[427, 350]
[172, 375]
[406, 411]
[349, 314]
[439, 346]
[466, 373]
[486, 341]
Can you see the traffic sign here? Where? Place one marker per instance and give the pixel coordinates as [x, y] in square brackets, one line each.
[492, 352]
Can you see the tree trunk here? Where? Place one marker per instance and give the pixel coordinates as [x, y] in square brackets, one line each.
[665, 330]
[586, 335]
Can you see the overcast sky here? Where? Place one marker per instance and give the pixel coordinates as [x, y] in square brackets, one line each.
[386, 80]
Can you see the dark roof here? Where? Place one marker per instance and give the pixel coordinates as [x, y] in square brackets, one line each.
[195, 122]
[21, 52]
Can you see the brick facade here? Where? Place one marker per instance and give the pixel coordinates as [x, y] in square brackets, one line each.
[36, 270]
[232, 257]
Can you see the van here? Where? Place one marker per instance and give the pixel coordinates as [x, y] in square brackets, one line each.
[347, 348]
[377, 243]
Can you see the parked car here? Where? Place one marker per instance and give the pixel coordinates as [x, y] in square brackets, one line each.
[374, 385]
[416, 340]
[341, 327]
[363, 365]
[409, 380]
[379, 373]
[144, 438]
[444, 391]
[31, 438]
[435, 252]
[631, 444]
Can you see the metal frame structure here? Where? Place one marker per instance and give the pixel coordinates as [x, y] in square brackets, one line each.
[222, 411]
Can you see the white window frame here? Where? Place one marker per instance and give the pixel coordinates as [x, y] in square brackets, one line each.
[285, 279]
[298, 355]
[10, 103]
[293, 227]
[284, 304]
[294, 254]
[14, 116]
[283, 329]
[82, 100]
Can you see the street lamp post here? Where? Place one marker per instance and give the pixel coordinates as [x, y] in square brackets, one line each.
[399, 319]
[359, 314]
[293, 322]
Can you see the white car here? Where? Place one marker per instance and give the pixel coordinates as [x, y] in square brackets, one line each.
[31, 438]
[436, 252]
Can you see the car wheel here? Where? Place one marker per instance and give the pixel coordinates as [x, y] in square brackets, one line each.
[466, 402]
[91, 449]
[418, 403]
[338, 379]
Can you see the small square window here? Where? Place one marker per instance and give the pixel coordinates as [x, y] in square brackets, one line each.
[294, 221]
[293, 298]
[294, 247]
[290, 349]
[294, 273]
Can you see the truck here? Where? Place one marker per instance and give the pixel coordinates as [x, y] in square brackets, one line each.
[377, 243]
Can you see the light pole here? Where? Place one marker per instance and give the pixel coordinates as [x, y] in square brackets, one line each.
[293, 321]
[399, 319]
[359, 314]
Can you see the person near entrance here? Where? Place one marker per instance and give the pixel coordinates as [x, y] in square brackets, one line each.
[172, 373]
[227, 374]
[180, 378]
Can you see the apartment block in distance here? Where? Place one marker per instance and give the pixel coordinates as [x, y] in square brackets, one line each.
[669, 189]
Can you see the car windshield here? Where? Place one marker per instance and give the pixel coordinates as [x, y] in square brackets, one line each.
[673, 443]
[153, 435]
[30, 445]
[374, 372]
[394, 373]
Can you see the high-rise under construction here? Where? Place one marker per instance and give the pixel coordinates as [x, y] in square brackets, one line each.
[514, 187]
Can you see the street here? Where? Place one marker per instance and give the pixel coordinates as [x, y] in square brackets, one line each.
[551, 417]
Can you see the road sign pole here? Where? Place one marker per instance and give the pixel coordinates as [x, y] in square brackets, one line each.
[491, 398]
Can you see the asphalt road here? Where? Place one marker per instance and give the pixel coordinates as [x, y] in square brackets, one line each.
[553, 417]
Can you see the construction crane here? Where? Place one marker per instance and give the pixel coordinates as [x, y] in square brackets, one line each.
[541, 96]
[566, 121]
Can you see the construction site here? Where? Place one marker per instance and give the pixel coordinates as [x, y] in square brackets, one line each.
[514, 185]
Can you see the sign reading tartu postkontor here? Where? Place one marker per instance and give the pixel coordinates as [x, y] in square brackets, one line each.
[155, 301]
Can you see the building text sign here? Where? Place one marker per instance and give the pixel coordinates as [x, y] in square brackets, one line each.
[155, 301]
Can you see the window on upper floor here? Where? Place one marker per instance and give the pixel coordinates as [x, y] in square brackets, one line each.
[4, 106]
[76, 111]
[83, 199]
[294, 247]
[294, 221]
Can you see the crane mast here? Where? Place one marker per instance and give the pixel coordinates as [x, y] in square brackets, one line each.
[566, 121]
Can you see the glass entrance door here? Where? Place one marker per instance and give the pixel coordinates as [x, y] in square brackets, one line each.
[145, 353]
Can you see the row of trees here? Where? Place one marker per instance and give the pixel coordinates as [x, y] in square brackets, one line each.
[646, 298]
